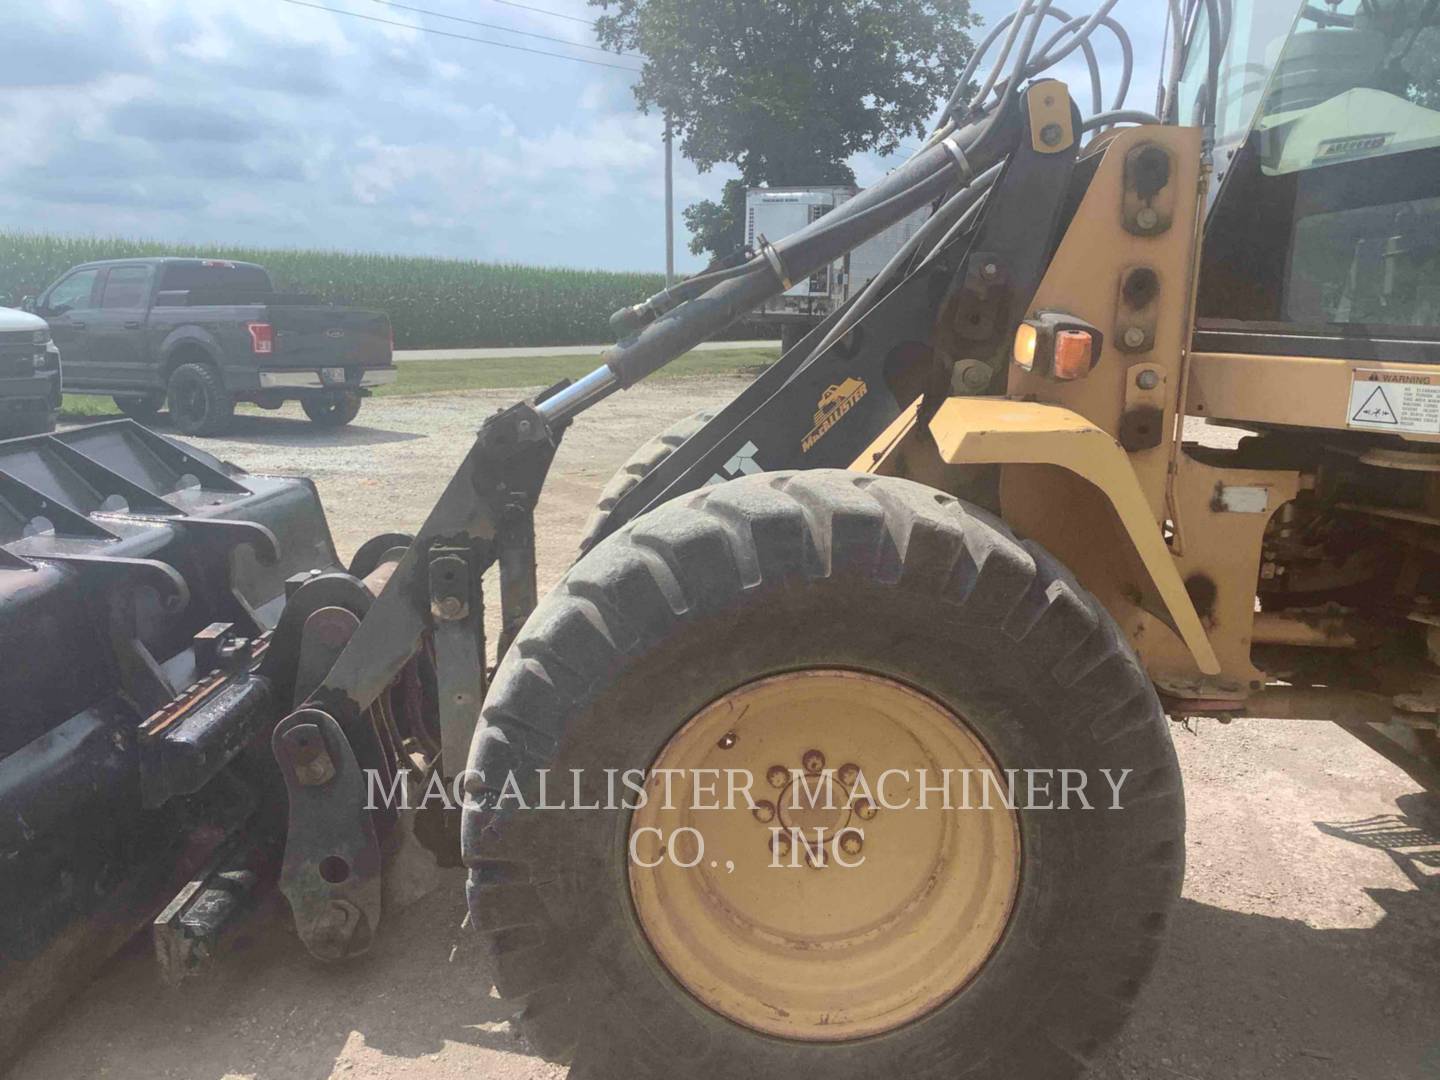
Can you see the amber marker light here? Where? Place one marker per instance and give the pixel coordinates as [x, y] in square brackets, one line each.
[1074, 350]
[1057, 345]
[1026, 339]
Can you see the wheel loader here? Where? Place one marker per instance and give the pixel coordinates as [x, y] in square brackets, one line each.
[1143, 422]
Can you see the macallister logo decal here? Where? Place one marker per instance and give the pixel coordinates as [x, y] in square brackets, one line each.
[834, 403]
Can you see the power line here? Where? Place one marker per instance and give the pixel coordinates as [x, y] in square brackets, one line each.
[496, 26]
[462, 37]
[542, 11]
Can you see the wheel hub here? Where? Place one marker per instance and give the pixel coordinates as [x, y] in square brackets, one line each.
[828, 905]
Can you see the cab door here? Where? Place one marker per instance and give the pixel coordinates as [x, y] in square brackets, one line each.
[118, 346]
[69, 308]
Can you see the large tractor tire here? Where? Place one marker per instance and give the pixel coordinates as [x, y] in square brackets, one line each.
[640, 465]
[821, 625]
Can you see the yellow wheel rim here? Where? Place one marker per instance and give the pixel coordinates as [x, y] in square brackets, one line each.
[819, 939]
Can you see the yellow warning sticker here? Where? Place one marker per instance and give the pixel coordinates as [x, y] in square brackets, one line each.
[1395, 401]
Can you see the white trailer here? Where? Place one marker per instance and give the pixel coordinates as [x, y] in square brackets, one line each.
[773, 213]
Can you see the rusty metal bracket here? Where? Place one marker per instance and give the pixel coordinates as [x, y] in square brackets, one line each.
[331, 873]
[457, 612]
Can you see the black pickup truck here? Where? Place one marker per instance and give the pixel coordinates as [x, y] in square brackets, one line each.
[207, 333]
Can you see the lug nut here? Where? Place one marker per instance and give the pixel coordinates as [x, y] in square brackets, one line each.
[865, 810]
[777, 776]
[813, 761]
[849, 773]
[764, 811]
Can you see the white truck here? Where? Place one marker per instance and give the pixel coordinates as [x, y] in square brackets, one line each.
[29, 375]
[775, 212]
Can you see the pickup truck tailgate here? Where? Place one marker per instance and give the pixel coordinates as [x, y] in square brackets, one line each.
[316, 336]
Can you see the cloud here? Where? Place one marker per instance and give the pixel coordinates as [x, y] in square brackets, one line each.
[275, 124]
[53, 51]
[167, 122]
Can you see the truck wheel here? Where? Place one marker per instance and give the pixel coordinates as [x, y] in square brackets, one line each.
[822, 627]
[143, 408]
[199, 402]
[790, 335]
[334, 411]
[643, 462]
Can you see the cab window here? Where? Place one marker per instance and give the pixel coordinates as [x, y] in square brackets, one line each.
[74, 292]
[1328, 220]
[125, 287]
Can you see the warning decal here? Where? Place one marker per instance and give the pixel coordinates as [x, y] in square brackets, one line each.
[1394, 401]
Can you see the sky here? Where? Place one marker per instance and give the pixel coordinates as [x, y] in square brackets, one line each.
[265, 122]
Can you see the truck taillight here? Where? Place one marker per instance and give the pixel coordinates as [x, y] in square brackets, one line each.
[262, 337]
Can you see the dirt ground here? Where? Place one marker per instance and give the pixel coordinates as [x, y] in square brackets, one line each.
[1307, 944]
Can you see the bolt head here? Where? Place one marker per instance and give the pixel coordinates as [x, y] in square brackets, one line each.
[1051, 134]
[450, 607]
[1147, 380]
[990, 269]
[976, 376]
[1134, 337]
[1147, 218]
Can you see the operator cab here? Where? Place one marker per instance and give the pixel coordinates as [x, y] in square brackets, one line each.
[1323, 238]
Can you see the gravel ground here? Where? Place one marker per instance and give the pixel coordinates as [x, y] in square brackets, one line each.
[1307, 944]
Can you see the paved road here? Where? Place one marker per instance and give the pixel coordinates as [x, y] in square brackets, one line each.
[403, 355]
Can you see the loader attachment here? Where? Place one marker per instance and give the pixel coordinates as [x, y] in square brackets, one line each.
[141, 582]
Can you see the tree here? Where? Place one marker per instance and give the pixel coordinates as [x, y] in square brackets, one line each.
[718, 228]
[787, 90]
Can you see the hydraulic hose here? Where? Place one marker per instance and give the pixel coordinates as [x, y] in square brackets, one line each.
[920, 181]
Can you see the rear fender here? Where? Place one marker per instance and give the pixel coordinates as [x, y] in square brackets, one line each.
[185, 345]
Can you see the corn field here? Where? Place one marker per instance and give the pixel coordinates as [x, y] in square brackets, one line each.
[433, 303]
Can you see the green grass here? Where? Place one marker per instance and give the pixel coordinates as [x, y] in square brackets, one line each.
[441, 376]
[420, 377]
[432, 303]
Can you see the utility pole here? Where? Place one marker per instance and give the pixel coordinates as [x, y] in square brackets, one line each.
[669, 208]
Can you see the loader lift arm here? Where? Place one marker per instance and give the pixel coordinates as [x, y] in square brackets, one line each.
[962, 301]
